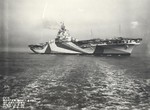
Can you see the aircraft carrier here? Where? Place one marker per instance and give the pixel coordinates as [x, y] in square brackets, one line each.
[65, 44]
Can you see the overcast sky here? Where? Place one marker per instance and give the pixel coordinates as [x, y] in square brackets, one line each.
[21, 21]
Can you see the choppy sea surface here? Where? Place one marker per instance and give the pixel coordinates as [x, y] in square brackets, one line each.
[74, 82]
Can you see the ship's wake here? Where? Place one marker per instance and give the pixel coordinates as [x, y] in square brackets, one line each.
[94, 85]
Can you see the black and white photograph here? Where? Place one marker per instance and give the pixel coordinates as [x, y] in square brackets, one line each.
[74, 55]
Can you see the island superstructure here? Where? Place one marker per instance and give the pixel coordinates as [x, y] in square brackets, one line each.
[65, 44]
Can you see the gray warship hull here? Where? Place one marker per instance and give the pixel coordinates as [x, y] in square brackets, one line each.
[89, 47]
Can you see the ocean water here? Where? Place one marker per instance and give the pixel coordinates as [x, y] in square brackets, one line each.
[74, 82]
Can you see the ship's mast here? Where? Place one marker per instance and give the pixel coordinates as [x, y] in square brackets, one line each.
[120, 34]
[91, 33]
